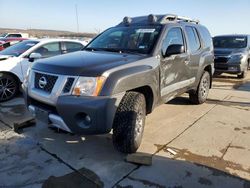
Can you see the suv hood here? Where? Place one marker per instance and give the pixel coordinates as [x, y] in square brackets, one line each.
[228, 51]
[84, 63]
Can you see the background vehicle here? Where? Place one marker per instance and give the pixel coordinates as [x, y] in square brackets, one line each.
[121, 76]
[14, 35]
[16, 60]
[7, 42]
[232, 54]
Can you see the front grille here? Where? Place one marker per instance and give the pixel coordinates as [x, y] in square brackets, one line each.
[68, 85]
[45, 82]
[221, 60]
[221, 66]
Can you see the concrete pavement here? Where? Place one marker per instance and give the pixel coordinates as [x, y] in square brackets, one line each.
[211, 142]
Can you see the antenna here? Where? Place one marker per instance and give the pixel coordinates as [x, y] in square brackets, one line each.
[77, 22]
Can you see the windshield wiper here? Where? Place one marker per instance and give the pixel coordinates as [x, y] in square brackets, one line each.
[132, 52]
[93, 49]
[113, 50]
[103, 49]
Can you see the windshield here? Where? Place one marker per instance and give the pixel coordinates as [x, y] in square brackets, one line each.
[127, 40]
[3, 35]
[19, 48]
[230, 42]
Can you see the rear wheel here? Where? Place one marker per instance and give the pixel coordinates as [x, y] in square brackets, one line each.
[200, 96]
[129, 122]
[243, 74]
[217, 73]
[8, 87]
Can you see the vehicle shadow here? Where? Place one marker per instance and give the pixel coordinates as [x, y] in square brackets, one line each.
[100, 165]
[228, 103]
[95, 163]
[231, 80]
[182, 100]
[172, 173]
[243, 87]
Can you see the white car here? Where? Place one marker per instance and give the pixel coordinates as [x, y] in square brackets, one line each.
[14, 35]
[15, 61]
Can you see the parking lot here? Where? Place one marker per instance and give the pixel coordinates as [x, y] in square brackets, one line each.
[191, 146]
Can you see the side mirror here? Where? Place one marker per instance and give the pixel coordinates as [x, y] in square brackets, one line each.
[34, 56]
[174, 49]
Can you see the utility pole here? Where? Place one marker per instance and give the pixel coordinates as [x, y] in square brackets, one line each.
[77, 22]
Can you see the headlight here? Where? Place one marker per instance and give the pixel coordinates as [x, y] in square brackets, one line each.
[88, 86]
[236, 57]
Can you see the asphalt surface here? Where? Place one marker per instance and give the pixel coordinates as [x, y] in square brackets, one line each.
[191, 146]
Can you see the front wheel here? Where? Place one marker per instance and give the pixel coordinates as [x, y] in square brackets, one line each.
[129, 122]
[8, 87]
[200, 96]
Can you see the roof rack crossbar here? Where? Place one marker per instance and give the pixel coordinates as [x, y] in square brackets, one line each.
[169, 17]
[172, 17]
[186, 19]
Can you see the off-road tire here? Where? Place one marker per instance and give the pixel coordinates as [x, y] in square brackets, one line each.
[200, 95]
[129, 123]
[9, 87]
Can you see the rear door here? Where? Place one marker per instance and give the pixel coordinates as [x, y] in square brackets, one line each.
[175, 71]
[194, 49]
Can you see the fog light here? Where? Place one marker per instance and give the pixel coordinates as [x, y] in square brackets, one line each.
[83, 120]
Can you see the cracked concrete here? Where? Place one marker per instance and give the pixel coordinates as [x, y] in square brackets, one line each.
[211, 141]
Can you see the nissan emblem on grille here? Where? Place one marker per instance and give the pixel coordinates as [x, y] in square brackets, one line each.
[42, 82]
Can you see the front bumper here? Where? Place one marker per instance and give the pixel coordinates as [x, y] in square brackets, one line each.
[80, 115]
[228, 68]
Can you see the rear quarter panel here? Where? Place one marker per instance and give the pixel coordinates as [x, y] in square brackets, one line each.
[207, 53]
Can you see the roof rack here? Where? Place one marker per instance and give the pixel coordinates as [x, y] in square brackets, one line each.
[172, 17]
[186, 19]
[157, 19]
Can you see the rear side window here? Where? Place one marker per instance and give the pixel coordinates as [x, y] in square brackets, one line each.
[193, 38]
[206, 37]
[14, 35]
[73, 46]
[174, 36]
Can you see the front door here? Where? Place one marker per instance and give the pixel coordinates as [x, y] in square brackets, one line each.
[46, 50]
[175, 70]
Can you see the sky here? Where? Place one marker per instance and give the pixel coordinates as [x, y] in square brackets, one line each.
[219, 16]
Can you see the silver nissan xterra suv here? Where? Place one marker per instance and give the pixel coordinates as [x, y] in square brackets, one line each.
[121, 76]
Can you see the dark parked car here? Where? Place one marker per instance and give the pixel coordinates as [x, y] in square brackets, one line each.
[121, 76]
[232, 54]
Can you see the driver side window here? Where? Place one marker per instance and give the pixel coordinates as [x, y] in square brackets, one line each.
[49, 50]
[174, 36]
